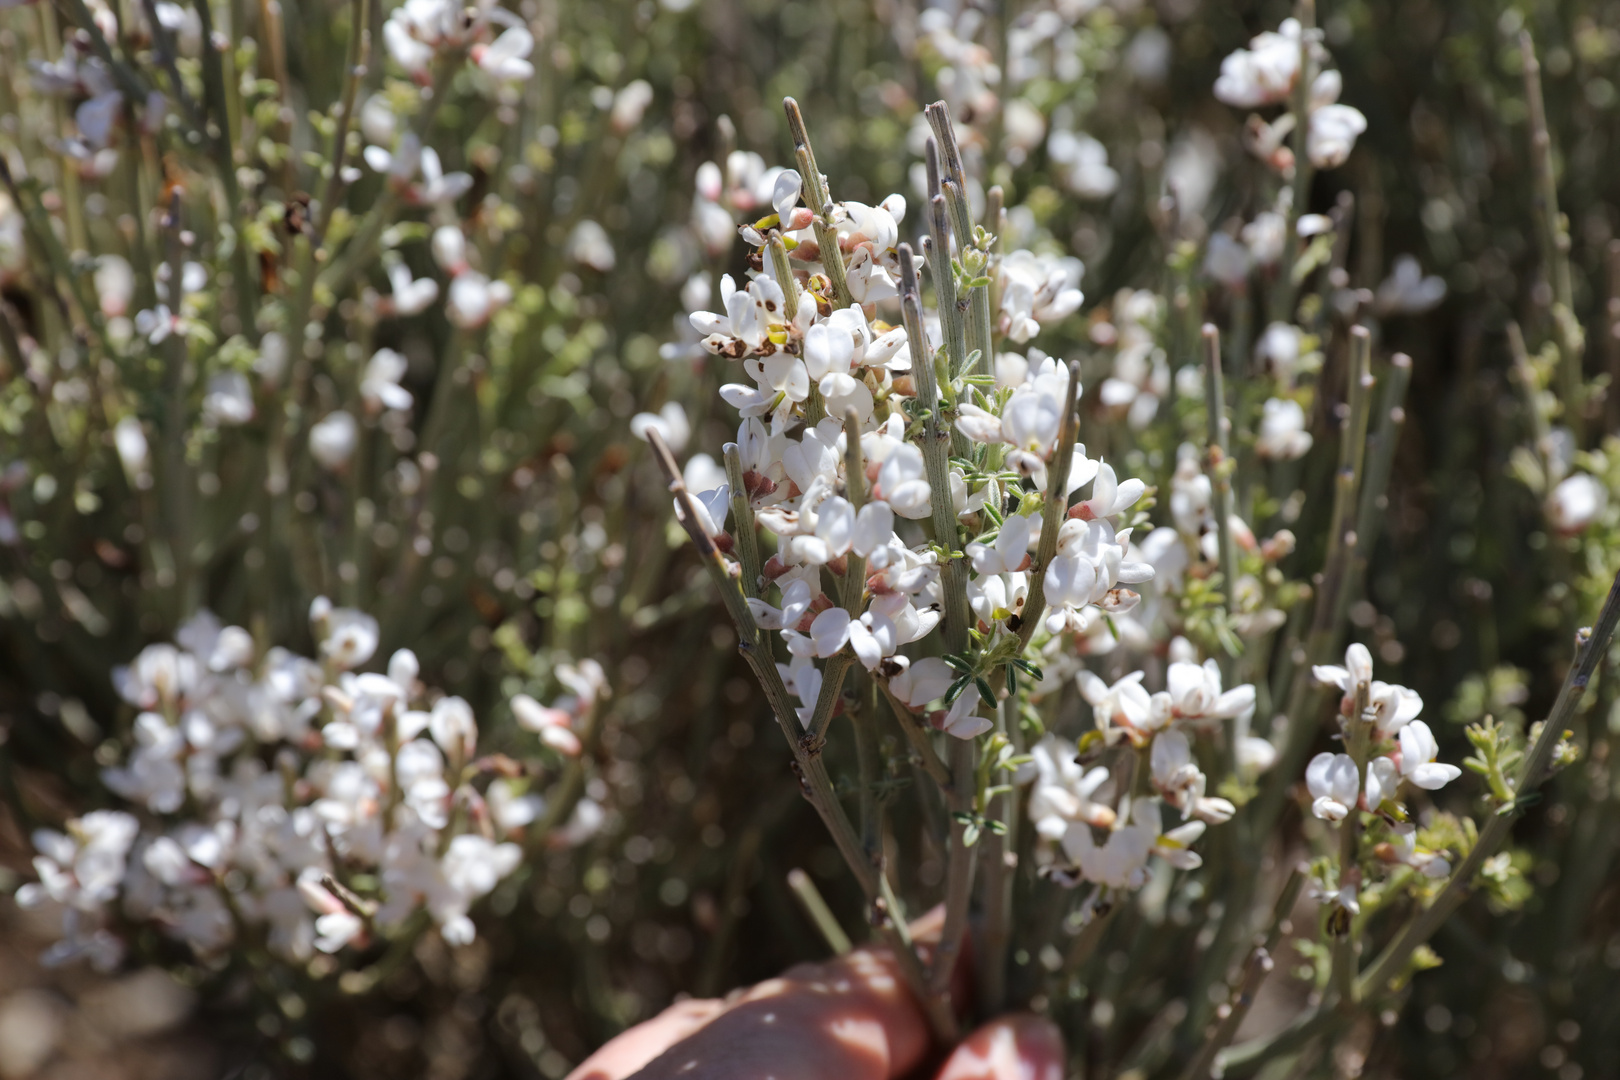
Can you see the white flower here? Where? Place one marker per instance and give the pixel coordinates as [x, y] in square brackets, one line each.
[1010, 551]
[629, 105]
[962, 719]
[589, 245]
[229, 400]
[670, 422]
[130, 441]
[1122, 709]
[379, 387]
[1265, 72]
[1333, 784]
[474, 298]
[336, 929]
[1085, 169]
[900, 483]
[1108, 495]
[332, 440]
[1357, 669]
[504, 58]
[1407, 291]
[1332, 134]
[114, 279]
[554, 726]
[348, 637]
[1418, 751]
[1576, 502]
[1194, 693]
[1266, 237]
[412, 296]
[1063, 792]
[922, 681]
[1392, 706]
[1036, 290]
[1279, 347]
[1282, 434]
[452, 726]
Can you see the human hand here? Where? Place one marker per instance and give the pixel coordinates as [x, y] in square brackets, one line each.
[852, 1018]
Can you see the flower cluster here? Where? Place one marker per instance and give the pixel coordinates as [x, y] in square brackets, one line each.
[321, 803]
[1267, 73]
[1400, 749]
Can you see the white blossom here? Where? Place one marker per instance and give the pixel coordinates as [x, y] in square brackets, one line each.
[1333, 784]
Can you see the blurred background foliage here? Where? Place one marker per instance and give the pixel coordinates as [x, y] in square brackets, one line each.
[547, 533]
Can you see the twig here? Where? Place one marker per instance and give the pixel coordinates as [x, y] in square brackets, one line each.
[1552, 230]
[1255, 970]
[1054, 512]
[917, 736]
[936, 462]
[1300, 107]
[359, 53]
[1357, 741]
[742, 515]
[817, 197]
[817, 785]
[820, 915]
[1590, 646]
[1091, 931]
[1218, 461]
[783, 272]
[1374, 502]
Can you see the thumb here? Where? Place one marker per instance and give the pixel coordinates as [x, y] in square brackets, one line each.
[1019, 1047]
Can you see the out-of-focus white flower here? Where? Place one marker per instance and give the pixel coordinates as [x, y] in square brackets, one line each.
[1265, 72]
[670, 422]
[1408, 291]
[554, 726]
[349, 637]
[1282, 434]
[1084, 164]
[412, 296]
[130, 442]
[629, 105]
[1036, 290]
[1266, 237]
[1576, 502]
[506, 56]
[1280, 347]
[114, 279]
[474, 298]
[333, 438]
[590, 246]
[229, 400]
[379, 387]
[1063, 794]
[1332, 134]
[453, 727]
[1121, 710]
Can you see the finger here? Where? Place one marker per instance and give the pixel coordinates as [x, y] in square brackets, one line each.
[1011, 1048]
[627, 1052]
[849, 1019]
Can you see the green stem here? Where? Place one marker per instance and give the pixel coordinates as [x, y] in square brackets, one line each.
[817, 786]
[817, 197]
[1255, 970]
[1591, 645]
[816, 909]
[1552, 230]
